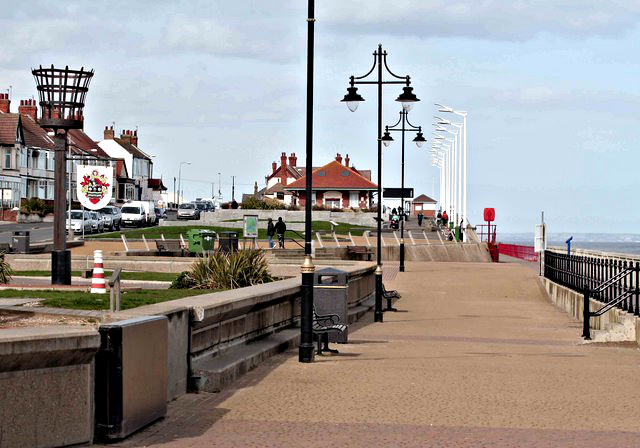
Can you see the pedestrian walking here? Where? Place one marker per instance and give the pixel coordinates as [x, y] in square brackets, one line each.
[439, 218]
[271, 231]
[280, 227]
[445, 218]
[420, 218]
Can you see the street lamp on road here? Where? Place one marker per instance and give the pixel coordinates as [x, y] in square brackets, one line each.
[180, 181]
[419, 140]
[352, 99]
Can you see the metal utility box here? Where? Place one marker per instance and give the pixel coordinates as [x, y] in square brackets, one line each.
[131, 376]
[201, 241]
[21, 241]
[330, 288]
[228, 241]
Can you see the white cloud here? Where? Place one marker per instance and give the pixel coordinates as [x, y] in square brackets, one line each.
[487, 19]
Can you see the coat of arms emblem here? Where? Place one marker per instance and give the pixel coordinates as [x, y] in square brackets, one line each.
[94, 186]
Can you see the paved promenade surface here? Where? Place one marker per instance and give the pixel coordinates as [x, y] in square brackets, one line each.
[476, 357]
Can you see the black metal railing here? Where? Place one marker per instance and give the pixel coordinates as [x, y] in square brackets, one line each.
[615, 283]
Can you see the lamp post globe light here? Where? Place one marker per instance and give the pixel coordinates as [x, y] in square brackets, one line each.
[419, 140]
[62, 94]
[352, 99]
[463, 114]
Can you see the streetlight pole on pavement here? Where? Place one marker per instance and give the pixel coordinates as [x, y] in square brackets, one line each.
[305, 349]
[352, 99]
[419, 141]
[180, 180]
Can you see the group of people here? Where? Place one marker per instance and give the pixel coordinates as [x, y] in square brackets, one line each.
[443, 218]
[398, 214]
[276, 229]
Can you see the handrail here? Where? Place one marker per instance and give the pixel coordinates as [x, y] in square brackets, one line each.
[293, 239]
[114, 290]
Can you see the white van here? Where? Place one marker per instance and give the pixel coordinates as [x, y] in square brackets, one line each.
[138, 214]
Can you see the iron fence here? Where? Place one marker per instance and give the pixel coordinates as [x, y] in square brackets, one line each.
[613, 282]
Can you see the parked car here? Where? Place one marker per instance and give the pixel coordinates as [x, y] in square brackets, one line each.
[112, 217]
[78, 221]
[139, 213]
[97, 225]
[188, 211]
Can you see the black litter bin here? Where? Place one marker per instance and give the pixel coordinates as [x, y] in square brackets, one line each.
[330, 290]
[228, 242]
[21, 241]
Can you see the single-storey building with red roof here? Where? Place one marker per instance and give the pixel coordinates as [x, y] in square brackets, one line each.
[424, 204]
[335, 185]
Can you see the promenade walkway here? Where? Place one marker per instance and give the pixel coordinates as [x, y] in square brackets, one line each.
[476, 357]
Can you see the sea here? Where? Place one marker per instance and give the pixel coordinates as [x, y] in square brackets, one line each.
[622, 243]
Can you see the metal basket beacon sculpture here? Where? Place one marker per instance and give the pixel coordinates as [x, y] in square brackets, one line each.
[62, 93]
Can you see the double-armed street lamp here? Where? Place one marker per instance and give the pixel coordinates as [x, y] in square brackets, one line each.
[419, 140]
[62, 94]
[352, 99]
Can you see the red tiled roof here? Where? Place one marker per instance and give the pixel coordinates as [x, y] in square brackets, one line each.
[82, 141]
[34, 135]
[156, 184]
[8, 129]
[134, 150]
[335, 176]
[291, 170]
[423, 198]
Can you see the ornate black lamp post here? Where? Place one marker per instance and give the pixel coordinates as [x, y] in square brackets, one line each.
[352, 99]
[305, 349]
[62, 93]
[419, 141]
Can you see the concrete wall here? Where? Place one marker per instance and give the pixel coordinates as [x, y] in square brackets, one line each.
[46, 384]
[469, 252]
[355, 218]
[571, 302]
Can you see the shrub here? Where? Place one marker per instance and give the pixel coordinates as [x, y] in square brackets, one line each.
[227, 271]
[34, 206]
[6, 272]
[293, 208]
[183, 281]
[263, 204]
[225, 206]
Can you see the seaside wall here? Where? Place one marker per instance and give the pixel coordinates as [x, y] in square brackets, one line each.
[460, 252]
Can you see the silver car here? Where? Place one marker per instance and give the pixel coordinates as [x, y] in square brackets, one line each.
[97, 225]
[112, 217]
[78, 222]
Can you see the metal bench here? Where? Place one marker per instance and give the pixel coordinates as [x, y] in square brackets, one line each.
[170, 247]
[390, 295]
[323, 324]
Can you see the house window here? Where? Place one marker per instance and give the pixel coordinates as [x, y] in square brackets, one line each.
[7, 158]
[313, 198]
[42, 189]
[333, 203]
[280, 195]
[354, 199]
[23, 158]
[345, 173]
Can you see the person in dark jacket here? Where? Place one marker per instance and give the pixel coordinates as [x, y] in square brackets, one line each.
[439, 218]
[280, 227]
[445, 218]
[420, 218]
[271, 231]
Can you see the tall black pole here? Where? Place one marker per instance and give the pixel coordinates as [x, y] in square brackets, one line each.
[60, 256]
[305, 350]
[377, 313]
[404, 116]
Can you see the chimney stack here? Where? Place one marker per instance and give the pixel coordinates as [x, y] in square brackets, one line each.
[292, 160]
[338, 158]
[5, 103]
[283, 159]
[255, 188]
[134, 138]
[274, 167]
[28, 107]
[109, 134]
[283, 163]
[126, 136]
[346, 161]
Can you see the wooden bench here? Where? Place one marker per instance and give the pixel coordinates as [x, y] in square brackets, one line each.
[322, 326]
[360, 250]
[169, 247]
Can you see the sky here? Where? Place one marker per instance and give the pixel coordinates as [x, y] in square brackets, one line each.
[551, 89]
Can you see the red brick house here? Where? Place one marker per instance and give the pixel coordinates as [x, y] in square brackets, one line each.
[336, 185]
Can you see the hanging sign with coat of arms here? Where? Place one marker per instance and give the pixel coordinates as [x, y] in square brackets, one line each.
[94, 186]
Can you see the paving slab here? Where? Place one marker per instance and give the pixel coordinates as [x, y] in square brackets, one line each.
[476, 356]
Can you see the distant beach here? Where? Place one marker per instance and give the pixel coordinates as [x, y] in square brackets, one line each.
[624, 243]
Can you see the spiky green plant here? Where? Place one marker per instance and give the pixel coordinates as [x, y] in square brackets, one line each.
[6, 271]
[228, 271]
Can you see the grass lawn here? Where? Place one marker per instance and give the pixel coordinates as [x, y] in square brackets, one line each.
[150, 276]
[174, 232]
[80, 300]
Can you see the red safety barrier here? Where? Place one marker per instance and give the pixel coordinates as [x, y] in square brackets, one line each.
[514, 250]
